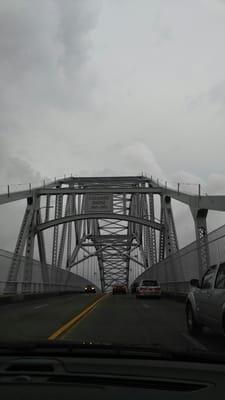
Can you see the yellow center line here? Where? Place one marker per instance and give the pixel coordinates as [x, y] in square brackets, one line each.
[68, 325]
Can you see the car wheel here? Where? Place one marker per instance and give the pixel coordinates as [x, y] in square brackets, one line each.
[193, 327]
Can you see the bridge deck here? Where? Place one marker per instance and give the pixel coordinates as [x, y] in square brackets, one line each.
[116, 319]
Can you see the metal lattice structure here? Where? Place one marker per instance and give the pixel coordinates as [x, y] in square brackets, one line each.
[106, 218]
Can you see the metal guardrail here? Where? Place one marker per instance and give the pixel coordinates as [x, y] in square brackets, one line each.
[11, 188]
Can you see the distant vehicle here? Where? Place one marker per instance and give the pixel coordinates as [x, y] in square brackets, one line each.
[90, 289]
[148, 288]
[119, 288]
[134, 287]
[205, 303]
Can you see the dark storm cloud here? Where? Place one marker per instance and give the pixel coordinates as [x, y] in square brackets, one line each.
[44, 56]
[44, 51]
[43, 48]
[66, 68]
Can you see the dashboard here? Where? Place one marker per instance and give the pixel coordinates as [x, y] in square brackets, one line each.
[108, 378]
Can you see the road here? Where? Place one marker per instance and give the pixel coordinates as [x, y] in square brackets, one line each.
[114, 319]
[38, 319]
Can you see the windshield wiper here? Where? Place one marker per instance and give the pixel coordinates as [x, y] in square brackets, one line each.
[108, 350]
[78, 348]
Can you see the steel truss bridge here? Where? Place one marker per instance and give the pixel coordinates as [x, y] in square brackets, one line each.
[106, 218]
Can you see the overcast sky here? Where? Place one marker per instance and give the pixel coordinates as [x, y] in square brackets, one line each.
[112, 87]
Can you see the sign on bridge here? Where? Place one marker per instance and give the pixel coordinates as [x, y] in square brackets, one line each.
[99, 203]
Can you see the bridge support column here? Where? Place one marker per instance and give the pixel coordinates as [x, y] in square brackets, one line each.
[42, 255]
[162, 233]
[152, 247]
[25, 238]
[168, 245]
[170, 236]
[28, 267]
[58, 214]
[101, 273]
[200, 216]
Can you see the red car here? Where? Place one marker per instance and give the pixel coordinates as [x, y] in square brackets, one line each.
[119, 288]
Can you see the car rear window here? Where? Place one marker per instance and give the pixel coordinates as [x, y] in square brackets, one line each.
[150, 283]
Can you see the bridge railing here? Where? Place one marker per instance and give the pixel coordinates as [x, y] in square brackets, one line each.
[11, 188]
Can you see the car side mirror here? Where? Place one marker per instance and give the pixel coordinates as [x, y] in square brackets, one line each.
[195, 283]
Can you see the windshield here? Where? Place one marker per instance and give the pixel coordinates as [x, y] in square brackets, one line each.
[112, 181]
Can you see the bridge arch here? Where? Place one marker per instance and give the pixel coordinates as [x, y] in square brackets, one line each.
[46, 225]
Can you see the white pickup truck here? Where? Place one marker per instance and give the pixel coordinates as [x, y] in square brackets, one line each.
[205, 303]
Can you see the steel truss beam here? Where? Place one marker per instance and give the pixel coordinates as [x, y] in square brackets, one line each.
[202, 239]
[82, 217]
[110, 237]
[168, 239]
[25, 239]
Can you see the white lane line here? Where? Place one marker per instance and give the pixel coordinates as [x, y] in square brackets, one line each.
[41, 306]
[198, 345]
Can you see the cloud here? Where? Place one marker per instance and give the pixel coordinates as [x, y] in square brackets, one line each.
[43, 59]
[138, 157]
[45, 77]
[66, 69]
[213, 96]
[45, 74]
[216, 184]
[14, 170]
[120, 158]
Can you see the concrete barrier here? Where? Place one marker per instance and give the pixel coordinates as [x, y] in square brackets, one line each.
[16, 298]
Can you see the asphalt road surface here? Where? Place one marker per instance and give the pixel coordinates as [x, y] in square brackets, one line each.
[38, 319]
[120, 319]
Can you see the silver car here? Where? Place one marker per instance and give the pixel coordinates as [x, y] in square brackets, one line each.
[205, 304]
[148, 288]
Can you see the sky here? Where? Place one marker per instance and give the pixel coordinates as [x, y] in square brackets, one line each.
[110, 87]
